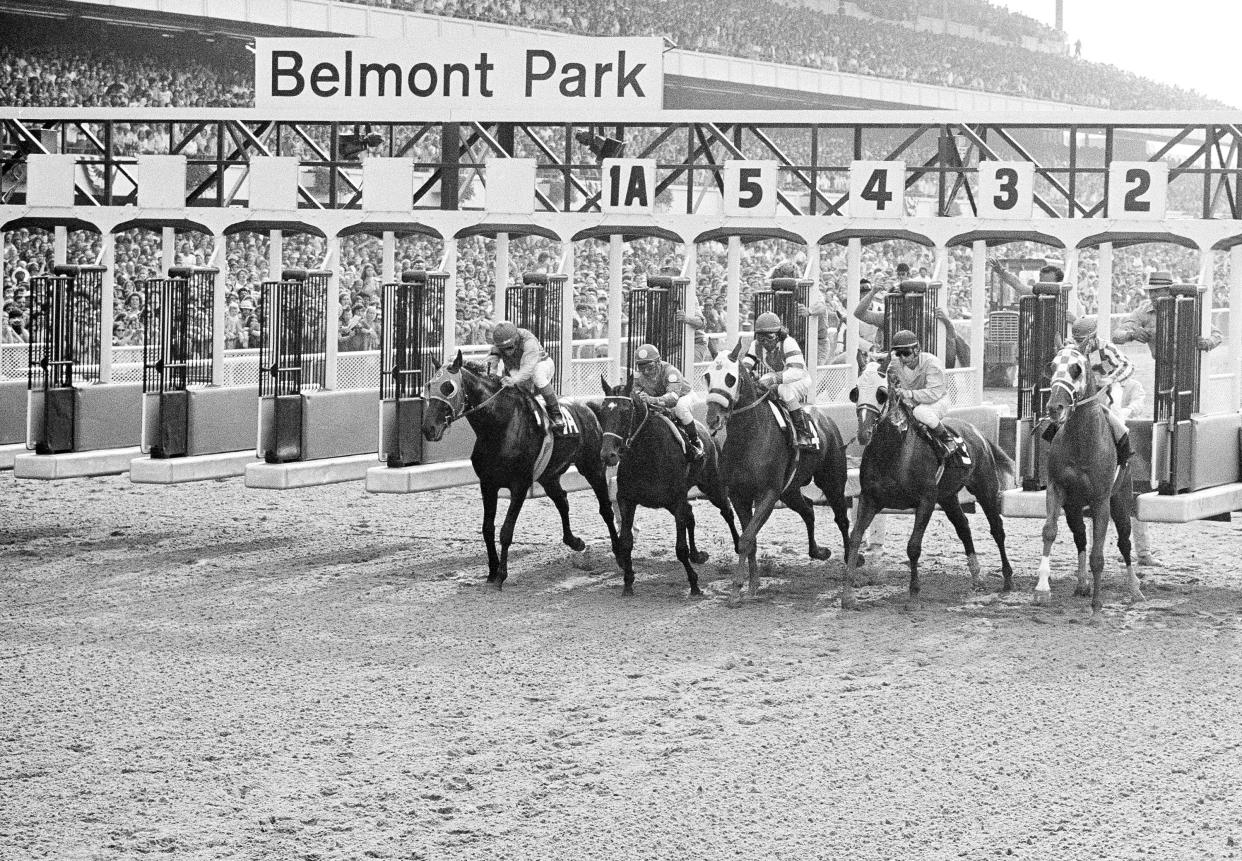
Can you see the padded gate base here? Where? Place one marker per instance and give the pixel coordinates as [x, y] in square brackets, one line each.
[454, 473]
[75, 464]
[151, 470]
[1024, 503]
[1185, 507]
[308, 473]
[9, 453]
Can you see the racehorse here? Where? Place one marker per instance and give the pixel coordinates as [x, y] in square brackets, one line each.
[652, 472]
[509, 439]
[761, 465]
[1083, 473]
[900, 470]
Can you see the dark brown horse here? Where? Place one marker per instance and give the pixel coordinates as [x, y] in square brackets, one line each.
[761, 467]
[508, 442]
[1083, 474]
[900, 470]
[652, 472]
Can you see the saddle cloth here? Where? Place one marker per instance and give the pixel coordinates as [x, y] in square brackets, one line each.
[544, 423]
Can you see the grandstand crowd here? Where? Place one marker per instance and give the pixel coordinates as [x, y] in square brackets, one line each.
[70, 66]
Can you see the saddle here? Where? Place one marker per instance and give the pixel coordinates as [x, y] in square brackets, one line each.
[682, 432]
[785, 420]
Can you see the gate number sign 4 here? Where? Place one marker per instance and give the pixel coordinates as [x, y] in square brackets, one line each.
[877, 189]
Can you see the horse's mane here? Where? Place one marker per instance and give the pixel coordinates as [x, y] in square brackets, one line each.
[479, 369]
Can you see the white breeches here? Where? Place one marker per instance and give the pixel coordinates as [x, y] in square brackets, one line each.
[682, 409]
[795, 395]
[1116, 423]
[541, 375]
[930, 415]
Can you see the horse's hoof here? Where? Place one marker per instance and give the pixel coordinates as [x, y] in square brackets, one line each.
[823, 554]
[752, 589]
[1082, 591]
[733, 602]
[627, 592]
[1137, 597]
[575, 544]
[699, 558]
[1043, 597]
[849, 603]
[497, 584]
[696, 592]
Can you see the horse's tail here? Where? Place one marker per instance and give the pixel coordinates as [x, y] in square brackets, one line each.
[1006, 469]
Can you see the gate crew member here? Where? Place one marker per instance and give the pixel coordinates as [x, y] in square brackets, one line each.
[661, 384]
[917, 378]
[1110, 367]
[526, 364]
[1140, 324]
[775, 349]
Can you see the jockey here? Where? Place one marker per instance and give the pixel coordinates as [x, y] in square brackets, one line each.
[917, 378]
[773, 348]
[657, 382]
[1140, 324]
[525, 365]
[1110, 367]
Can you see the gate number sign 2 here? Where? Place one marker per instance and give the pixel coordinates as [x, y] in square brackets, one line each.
[628, 185]
[878, 189]
[1138, 189]
[750, 188]
[1006, 189]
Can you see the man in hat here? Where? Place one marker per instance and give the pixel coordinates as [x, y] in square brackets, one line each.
[1140, 324]
[525, 364]
[774, 349]
[917, 379]
[659, 383]
[1110, 367]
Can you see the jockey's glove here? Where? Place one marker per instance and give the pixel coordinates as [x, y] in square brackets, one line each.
[507, 381]
[768, 380]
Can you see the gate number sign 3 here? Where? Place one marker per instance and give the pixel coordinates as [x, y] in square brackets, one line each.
[1138, 189]
[878, 189]
[1006, 189]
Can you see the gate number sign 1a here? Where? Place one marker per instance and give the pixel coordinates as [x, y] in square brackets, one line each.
[1006, 189]
[878, 189]
[1138, 189]
[628, 185]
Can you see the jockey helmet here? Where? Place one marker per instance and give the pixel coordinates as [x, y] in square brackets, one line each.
[647, 354]
[505, 335]
[1084, 327]
[768, 324]
[905, 340]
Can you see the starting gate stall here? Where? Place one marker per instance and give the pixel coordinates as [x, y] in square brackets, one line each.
[536, 304]
[309, 431]
[782, 298]
[653, 319]
[411, 339]
[79, 423]
[192, 428]
[1195, 455]
[913, 307]
[1042, 329]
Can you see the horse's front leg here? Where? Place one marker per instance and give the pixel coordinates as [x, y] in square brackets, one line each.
[625, 545]
[1052, 510]
[866, 513]
[556, 493]
[747, 545]
[1078, 527]
[1100, 516]
[517, 496]
[914, 547]
[490, 492]
[685, 546]
[953, 510]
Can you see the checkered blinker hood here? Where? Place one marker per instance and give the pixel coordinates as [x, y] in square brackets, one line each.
[1062, 364]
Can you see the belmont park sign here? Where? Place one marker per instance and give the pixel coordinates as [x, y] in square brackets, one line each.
[525, 77]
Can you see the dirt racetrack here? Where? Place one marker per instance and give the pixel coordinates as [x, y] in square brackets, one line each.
[210, 672]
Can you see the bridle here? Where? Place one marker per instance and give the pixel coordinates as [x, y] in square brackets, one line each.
[457, 407]
[1061, 379]
[726, 399]
[631, 432]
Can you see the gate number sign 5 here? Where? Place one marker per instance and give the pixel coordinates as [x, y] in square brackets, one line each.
[1138, 189]
[750, 188]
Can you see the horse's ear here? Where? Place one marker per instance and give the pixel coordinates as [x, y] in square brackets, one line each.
[736, 351]
[603, 381]
[629, 383]
[854, 394]
[436, 365]
[456, 366]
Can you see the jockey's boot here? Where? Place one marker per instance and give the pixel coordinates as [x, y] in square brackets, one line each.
[694, 445]
[945, 436]
[1124, 452]
[554, 408]
[802, 430]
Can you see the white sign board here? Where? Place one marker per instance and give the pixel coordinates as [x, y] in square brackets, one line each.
[628, 185]
[877, 189]
[1138, 189]
[1006, 189]
[750, 188]
[525, 77]
[511, 185]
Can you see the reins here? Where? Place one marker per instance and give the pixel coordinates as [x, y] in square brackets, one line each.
[627, 441]
[454, 415]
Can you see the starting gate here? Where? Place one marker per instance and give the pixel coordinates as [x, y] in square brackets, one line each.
[1178, 326]
[293, 316]
[913, 307]
[176, 350]
[65, 341]
[782, 299]
[411, 338]
[653, 318]
[1041, 333]
[535, 304]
